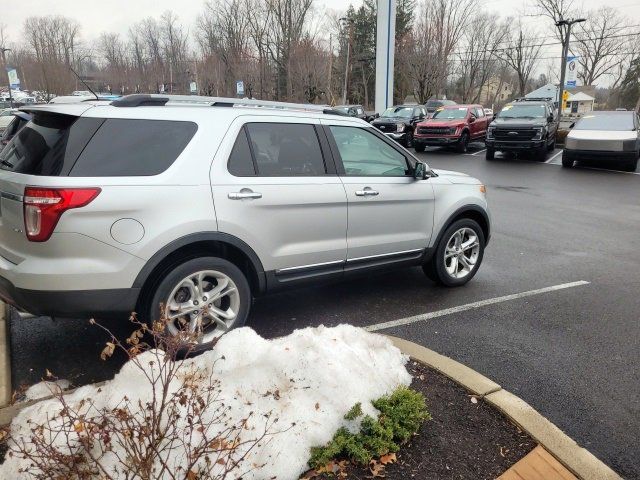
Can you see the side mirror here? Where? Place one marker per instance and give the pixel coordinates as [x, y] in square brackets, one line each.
[572, 125]
[420, 171]
[551, 118]
[472, 119]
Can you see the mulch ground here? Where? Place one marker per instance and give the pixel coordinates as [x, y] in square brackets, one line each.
[464, 440]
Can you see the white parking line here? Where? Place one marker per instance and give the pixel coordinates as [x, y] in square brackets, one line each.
[608, 170]
[471, 306]
[476, 153]
[554, 157]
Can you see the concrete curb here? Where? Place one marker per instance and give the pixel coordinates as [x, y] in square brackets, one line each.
[577, 459]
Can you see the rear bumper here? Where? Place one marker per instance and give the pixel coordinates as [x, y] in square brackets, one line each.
[506, 146]
[578, 155]
[74, 304]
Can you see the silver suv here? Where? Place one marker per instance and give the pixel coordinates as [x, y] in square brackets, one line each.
[189, 207]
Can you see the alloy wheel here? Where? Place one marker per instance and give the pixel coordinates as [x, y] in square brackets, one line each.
[202, 306]
[462, 252]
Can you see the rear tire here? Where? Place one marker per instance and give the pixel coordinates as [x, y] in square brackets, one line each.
[458, 255]
[490, 154]
[463, 143]
[567, 162]
[419, 147]
[215, 288]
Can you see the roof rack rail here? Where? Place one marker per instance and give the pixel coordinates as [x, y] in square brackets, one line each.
[531, 99]
[139, 100]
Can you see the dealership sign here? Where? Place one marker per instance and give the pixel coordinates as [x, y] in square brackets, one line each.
[14, 81]
[572, 72]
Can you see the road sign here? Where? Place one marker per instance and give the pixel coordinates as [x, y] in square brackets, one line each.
[240, 88]
[14, 81]
[193, 87]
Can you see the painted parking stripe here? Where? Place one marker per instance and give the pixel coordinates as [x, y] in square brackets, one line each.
[475, 153]
[472, 306]
[554, 157]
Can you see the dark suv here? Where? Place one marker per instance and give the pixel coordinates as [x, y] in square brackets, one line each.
[524, 126]
[399, 122]
[433, 105]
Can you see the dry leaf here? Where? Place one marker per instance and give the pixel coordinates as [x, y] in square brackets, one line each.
[377, 469]
[108, 351]
[388, 458]
[191, 475]
[317, 406]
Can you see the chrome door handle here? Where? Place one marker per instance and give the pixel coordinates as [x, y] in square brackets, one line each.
[242, 195]
[367, 193]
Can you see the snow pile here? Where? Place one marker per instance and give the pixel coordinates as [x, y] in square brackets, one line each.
[45, 389]
[310, 378]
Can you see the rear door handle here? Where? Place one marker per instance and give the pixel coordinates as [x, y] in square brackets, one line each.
[244, 194]
[367, 192]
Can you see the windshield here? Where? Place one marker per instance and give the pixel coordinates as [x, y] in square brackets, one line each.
[451, 114]
[606, 121]
[395, 112]
[523, 111]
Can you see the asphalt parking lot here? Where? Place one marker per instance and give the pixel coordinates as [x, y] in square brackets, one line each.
[570, 351]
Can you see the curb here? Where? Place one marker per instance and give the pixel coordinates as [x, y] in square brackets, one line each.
[577, 459]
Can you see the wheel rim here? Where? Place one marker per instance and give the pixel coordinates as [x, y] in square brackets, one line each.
[202, 306]
[464, 142]
[462, 253]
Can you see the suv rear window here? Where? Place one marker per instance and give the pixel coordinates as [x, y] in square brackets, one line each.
[48, 145]
[123, 147]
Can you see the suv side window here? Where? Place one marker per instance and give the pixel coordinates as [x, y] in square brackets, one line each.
[479, 112]
[241, 161]
[128, 148]
[286, 150]
[363, 154]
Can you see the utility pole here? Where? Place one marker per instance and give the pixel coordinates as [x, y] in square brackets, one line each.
[565, 28]
[346, 72]
[4, 62]
[330, 68]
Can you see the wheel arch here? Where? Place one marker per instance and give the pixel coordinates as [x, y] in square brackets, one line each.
[474, 212]
[197, 245]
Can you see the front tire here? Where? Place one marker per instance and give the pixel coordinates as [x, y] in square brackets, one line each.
[408, 143]
[567, 162]
[419, 147]
[463, 143]
[490, 154]
[541, 154]
[458, 255]
[200, 299]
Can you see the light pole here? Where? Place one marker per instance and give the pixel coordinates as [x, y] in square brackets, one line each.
[565, 28]
[4, 62]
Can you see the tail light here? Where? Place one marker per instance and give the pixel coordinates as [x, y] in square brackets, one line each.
[43, 207]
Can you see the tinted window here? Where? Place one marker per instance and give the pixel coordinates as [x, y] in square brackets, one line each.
[606, 121]
[133, 148]
[48, 145]
[364, 154]
[285, 149]
[451, 113]
[523, 110]
[479, 112]
[240, 161]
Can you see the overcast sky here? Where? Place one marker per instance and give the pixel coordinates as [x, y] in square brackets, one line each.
[97, 16]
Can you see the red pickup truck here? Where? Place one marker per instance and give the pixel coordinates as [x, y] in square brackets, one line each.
[452, 126]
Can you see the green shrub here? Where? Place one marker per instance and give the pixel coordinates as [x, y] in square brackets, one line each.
[401, 415]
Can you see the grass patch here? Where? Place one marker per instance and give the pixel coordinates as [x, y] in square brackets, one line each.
[401, 415]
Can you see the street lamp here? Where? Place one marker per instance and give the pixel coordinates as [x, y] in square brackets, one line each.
[566, 26]
[4, 62]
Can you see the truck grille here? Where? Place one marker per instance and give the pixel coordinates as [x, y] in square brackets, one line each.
[434, 130]
[389, 127]
[514, 134]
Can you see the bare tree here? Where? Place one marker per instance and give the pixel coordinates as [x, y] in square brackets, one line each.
[556, 10]
[598, 46]
[522, 55]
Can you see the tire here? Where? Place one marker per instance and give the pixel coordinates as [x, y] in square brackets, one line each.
[419, 147]
[439, 268]
[567, 162]
[463, 143]
[490, 154]
[540, 155]
[169, 287]
[631, 166]
[408, 143]
[552, 147]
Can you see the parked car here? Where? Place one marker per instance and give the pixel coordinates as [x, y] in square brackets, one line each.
[523, 126]
[454, 126]
[6, 117]
[19, 120]
[116, 208]
[607, 137]
[433, 105]
[489, 112]
[356, 111]
[399, 122]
